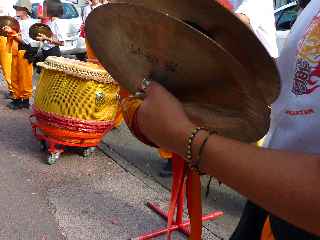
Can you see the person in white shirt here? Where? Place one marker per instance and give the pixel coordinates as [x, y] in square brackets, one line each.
[25, 21]
[283, 176]
[92, 4]
[259, 15]
[25, 24]
[51, 45]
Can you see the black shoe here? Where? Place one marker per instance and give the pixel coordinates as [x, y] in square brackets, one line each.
[25, 103]
[15, 104]
[167, 170]
[8, 95]
[38, 69]
[18, 104]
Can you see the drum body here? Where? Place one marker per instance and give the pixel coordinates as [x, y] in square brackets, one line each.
[75, 102]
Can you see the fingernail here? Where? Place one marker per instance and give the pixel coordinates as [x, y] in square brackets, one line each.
[145, 84]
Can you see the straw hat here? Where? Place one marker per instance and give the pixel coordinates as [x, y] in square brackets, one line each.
[24, 4]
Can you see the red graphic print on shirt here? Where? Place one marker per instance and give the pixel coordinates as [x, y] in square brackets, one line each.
[307, 74]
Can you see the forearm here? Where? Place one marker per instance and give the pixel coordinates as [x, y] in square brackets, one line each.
[56, 42]
[51, 40]
[16, 37]
[286, 184]
[283, 183]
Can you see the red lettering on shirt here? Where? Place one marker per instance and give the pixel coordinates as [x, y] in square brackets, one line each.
[300, 112]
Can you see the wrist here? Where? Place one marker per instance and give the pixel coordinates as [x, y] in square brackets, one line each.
[199, 139]
[183, 133]
[195, 146]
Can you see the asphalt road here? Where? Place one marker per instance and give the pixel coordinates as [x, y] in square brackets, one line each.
[76, 199]
[145, 163]
[99, 197]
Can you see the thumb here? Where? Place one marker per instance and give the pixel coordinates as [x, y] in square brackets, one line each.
[154, 87]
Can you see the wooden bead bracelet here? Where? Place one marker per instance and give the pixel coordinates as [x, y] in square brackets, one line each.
[194, 165]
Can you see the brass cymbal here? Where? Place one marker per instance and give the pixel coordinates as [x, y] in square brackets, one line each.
[37, 28]
[226, 29]
[8, 21]
[135, 43]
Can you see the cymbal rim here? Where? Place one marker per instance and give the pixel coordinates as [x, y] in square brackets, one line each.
[37, 28]
[226, 29]
[258, 114]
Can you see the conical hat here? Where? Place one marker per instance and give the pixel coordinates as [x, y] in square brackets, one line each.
[24, 4]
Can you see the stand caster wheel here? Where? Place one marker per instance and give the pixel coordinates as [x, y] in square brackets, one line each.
[43, 146]
[88, 151]
[52, 158]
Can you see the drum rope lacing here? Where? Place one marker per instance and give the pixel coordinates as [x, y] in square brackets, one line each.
[77, 68]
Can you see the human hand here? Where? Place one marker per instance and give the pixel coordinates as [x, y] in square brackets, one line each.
[244, 18]
[41, 37]
[9, 30]
[162, 120]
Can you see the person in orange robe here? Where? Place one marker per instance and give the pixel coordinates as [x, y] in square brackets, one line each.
[19, 76]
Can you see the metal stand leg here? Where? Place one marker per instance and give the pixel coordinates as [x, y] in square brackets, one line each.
[179, 188]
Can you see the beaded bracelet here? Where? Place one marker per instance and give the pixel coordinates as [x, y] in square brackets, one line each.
[189, 154]
[195, 165]
[190, 141]
[202, 146]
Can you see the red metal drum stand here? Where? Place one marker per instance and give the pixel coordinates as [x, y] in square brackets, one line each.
[178, 191]
[55, 139]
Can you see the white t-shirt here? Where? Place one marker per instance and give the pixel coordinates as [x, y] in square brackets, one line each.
[262, 21]
[88, 9]
[24, 30]
[295, 118]
[56, 31]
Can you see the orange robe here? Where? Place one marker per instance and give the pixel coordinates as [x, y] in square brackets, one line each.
[6, 59]
[267, 232]
[16, 69]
